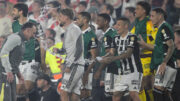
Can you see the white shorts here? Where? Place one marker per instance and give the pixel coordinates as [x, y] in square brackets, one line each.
[167, 80]
[129, 82]
[109, 82]
[72, 82]
[28, 70]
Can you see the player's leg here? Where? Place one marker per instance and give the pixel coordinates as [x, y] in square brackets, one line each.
[71, 83]
[30, 77]
[134, 84]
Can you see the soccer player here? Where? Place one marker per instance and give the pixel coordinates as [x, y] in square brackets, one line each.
[90, 50]
[162, 60]
[130, 72]
[103, 21]
[74, 65]
[31, 56]
[11, 55]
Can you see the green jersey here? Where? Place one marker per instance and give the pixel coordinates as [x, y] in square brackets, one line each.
[90, 42]
[107, 41]
[164, 34]
[29, 53]
[140, 28]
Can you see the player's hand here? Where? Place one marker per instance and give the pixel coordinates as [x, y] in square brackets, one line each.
[67, 70]
[85, 78]
[10, 77]
[97, 75]
[162, 68]
[141, 42]
[21, 78]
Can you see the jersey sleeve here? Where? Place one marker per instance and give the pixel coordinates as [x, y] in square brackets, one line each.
[107, 41]
[93, 43]
[166, 33]
[114, 41]
[132, 40]
[11, 42]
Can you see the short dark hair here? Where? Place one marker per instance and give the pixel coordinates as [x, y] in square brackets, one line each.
[52, 32]
[22, 7]
[68, 12]
[106, 17]
[27, 25]
[45, 77]
[86, 15]
[83, 3]
[3, 2]
[145, 5]
[125, 20]
[160, 11]
[110, 8]
[131, 9]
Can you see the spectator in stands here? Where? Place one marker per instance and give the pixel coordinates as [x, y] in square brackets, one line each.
[82, 6]
[36, 13]
[130, 14]
[5, 22]
[53, 22]
[108, 9]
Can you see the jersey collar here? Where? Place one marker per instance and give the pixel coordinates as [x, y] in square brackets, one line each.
[86, 30]
[161, 24]
[107, 30]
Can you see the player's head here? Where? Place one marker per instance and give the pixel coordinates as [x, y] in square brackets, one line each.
[29, 30]
[142, 9]
[103, 20]
[122, 25]
[158, 15]
[66, 15]
[83, 18]
[19, 10]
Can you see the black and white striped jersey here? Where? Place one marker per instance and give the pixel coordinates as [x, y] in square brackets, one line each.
[121, 44]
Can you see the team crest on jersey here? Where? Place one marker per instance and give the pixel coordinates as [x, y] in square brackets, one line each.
[92, 39]
[105, 39]
[164, 34]
[132, 38]
[163, 31]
